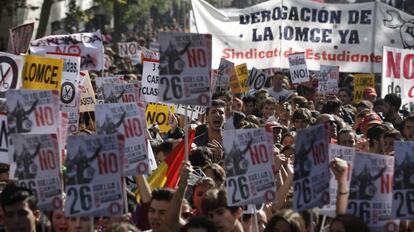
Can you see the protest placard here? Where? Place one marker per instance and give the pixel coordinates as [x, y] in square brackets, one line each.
[347, 154]
[185, 63]
[370, 192]
[397, 74]
[361, 81]
[70, 81]
[150, 55]
[311, 168]
[93, 177]
[100, 81]
[107, 62]
[257, 79]
[4, 139]
[238, 83]
[328, 79]
[20, 37]
[32, 111]
[88, 45]
[403, 184]
[154, 46]
[42, 73]
[120, 92]
[298, 69]
[223, 75]
[192, 111]
[73, 123]
[11, 69]
[87, 95]
[248, 163]
[127, 49]
[38, 167]
[159, 114]
[150, 81]
[127, 120]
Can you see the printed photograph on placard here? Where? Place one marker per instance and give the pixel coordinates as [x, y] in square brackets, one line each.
[248, 163]
[38, 167]
[93, 176]
[128, 120]
[11, 72]
[370, 191]
[311, 168]
[185, 63]
[120, 93]
[32, 111]
[100, 81]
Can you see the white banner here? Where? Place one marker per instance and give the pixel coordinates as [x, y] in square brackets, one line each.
[403, 191]
[248, 163]
[398, 73]
[311, 176]
[88, 45]
[185, 65]
[298, 69]
[11, 69]
[93, 178]
[347, 154]
[344, 35]
[370, 192]
[38, 167]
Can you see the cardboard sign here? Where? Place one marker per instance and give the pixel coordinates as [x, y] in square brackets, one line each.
[257, 79]
[248, 163]
[159, 114]
[224, 73]
[87, 99]
[20, 38]
[361, 81]
[126, 119]
[42, 73]
[38, 167]
[370, 192]
[100, 81]
[32, 111]
[347, 154]
[298, 69]
[311, 178]
[328, 79]
[397, 73]
[93, 176]
[185, 68]
[70, 81]
[4, 139]
[88, 45]
[11, 69]
[238, 83]
[130, 50]
[403, 194]
[150, 81]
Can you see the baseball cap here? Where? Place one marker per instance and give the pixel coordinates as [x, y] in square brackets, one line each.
[370, 91]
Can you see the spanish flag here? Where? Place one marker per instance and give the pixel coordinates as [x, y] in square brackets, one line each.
[167, 173]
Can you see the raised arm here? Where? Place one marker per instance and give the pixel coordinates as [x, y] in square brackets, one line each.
[339, 168]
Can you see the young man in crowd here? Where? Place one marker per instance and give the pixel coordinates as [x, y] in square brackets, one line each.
[278, 90]
[19, 208]
[215, 117]
[392, 104]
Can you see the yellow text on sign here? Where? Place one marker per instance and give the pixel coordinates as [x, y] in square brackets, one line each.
[42, 73]
[159, 114]
[361, 81]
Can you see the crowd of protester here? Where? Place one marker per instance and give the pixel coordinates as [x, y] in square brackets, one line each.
[371, 125]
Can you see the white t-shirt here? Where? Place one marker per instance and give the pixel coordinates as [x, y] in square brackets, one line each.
[279, 96]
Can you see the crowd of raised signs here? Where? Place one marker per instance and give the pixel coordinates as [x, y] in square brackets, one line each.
[285, 157]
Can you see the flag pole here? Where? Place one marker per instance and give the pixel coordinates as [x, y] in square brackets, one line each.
[186, 127]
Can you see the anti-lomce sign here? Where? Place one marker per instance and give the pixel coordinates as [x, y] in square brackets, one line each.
[398, 73]
[311, 178]
[248, 162]
[257, 79]
[298, 69]
[129, 49]
[42, 73]
[11, 69]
